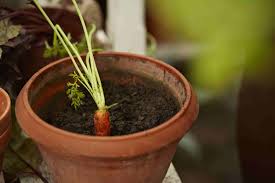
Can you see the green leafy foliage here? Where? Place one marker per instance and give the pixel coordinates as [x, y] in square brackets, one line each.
[73, 92]
[55, 50]
[58, 50]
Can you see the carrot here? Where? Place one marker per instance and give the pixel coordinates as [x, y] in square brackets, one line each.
[102, 124]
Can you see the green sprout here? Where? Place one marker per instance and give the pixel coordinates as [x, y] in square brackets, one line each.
[56, 49]
[73, 92]
[87, 71]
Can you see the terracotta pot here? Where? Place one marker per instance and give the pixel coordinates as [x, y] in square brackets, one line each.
[142, 157]
[5, 122]
[32, 60]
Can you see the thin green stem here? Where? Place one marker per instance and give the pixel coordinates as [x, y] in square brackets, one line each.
[84, 82]
[95, 82]
[54, 39]
[90, 52]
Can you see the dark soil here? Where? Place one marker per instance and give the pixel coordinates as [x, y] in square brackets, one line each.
[142, 104]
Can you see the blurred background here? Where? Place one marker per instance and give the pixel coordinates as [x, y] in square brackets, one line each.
[225, 48]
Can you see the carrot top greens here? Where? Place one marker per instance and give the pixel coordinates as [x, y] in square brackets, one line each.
[86, 72]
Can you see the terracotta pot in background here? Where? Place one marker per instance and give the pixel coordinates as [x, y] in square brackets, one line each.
[142, 157]
[5, 122]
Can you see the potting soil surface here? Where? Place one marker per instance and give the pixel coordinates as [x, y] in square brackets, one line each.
[141, 104]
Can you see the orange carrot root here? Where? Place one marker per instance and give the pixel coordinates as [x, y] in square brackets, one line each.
[102, 123]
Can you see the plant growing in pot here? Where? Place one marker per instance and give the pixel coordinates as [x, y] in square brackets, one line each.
[132, 140]
[5, 122]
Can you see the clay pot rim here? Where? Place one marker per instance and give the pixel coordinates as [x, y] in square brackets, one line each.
[44, 124]
[8, 106]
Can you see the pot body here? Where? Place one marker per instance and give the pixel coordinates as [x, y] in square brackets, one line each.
[148, 168]
[5, 122]
[142, 157]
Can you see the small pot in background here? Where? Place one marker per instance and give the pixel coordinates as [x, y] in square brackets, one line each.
[5, 122]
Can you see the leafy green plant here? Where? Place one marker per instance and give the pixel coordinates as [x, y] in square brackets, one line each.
[86, 72]
[58, 50]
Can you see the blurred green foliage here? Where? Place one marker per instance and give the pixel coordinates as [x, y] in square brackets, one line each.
[231, 33]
